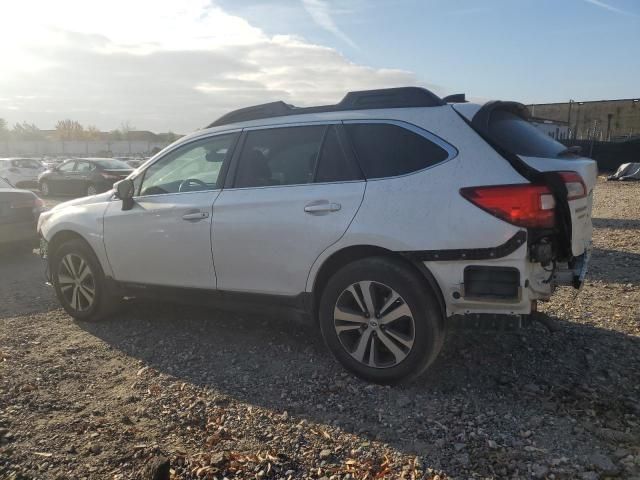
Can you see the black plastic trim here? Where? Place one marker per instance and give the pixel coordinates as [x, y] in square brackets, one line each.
[401, 97]
[500, 251]
[225, 300]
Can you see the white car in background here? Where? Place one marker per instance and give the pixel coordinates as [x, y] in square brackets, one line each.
[382, 218]
[21, 172]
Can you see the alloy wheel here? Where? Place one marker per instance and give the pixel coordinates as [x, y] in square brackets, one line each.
[91, 190]
[45, 188]
[77, 282]
[374, 324]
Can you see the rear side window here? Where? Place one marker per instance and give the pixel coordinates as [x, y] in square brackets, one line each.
[279, 156]
[334, 166]
[516, 135]
[386, 150]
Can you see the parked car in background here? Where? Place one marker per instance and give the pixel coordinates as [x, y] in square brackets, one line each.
[83, 176]
[135, 163]
[381, 218]
[21, 172]
[19, 212]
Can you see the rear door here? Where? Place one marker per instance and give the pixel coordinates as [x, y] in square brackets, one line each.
[61, 179]
[293, 191]
[82, 177]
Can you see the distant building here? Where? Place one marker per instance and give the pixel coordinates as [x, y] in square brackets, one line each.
[604, 120]
[554, 128]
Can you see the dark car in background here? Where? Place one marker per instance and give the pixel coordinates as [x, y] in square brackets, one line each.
[19, 212]
[83, 176]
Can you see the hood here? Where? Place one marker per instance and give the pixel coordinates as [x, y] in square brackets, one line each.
[101, 197]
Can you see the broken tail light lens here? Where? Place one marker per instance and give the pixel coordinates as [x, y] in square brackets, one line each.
[525, 205]
[575, 185]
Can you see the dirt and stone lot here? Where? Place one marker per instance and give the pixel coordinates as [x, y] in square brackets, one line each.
[221, 395]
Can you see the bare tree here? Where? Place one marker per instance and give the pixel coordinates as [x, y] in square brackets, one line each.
[92, 133]
[69, 130]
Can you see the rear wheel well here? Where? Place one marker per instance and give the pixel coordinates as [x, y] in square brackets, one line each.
[357, 252]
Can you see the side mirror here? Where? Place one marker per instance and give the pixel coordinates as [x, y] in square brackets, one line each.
[124, 191]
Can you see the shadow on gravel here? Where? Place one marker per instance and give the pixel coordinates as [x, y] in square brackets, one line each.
[278, 364]
[616, 223]
[615, 266]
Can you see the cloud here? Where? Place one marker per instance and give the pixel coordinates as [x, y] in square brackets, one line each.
[321, 14]
[179, 69]
[611, 8]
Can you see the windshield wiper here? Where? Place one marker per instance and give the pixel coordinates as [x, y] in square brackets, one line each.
[575, 150]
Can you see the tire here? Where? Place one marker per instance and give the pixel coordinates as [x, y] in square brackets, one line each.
[91, 190]
[403, 347]
[68, 264]
[45, 189]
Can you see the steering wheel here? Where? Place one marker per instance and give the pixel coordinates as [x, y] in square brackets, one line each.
[185, 184]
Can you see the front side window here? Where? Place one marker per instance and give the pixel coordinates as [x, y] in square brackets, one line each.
[279, 156]
[191, 168]
[386, 150]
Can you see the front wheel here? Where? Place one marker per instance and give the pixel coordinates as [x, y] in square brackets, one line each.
[381, 320]
[44, 189]
[80, 283]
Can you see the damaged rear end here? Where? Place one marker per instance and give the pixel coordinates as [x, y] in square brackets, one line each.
[554, 207]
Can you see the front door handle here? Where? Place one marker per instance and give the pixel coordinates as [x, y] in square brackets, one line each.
[322, 207]
[195, 216]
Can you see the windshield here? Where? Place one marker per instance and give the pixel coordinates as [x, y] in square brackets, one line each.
[516, 135]
[111, 164]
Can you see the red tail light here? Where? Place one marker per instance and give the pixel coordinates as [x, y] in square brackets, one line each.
[526, 205]
[110, 176]
[575, 185]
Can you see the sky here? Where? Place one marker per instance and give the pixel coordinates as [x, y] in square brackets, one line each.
[167, 65]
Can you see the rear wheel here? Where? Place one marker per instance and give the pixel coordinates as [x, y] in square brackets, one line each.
[91, 190]
[80, 283]
[381, 320]
[44, 189]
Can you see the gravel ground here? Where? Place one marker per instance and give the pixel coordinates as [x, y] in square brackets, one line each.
[221, 395]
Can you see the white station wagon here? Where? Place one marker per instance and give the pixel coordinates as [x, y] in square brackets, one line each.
[382, 218]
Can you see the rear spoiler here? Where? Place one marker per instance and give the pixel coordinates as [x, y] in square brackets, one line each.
[482, 118]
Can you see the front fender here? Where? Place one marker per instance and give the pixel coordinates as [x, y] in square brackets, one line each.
[85, 220]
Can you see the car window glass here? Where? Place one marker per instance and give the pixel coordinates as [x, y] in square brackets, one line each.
[333, 165]
[516, 135]
[67, 167]
[279, 156]
[386, 150]
[27, 163]
[193, 167]
[84, 167]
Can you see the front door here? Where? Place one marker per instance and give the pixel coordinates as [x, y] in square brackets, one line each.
[165, 239]
[294, 193]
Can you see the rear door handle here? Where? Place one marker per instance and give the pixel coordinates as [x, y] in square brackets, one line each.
[322, 207]
[195, 216]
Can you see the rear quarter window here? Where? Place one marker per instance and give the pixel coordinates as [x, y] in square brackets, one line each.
[386, 150]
